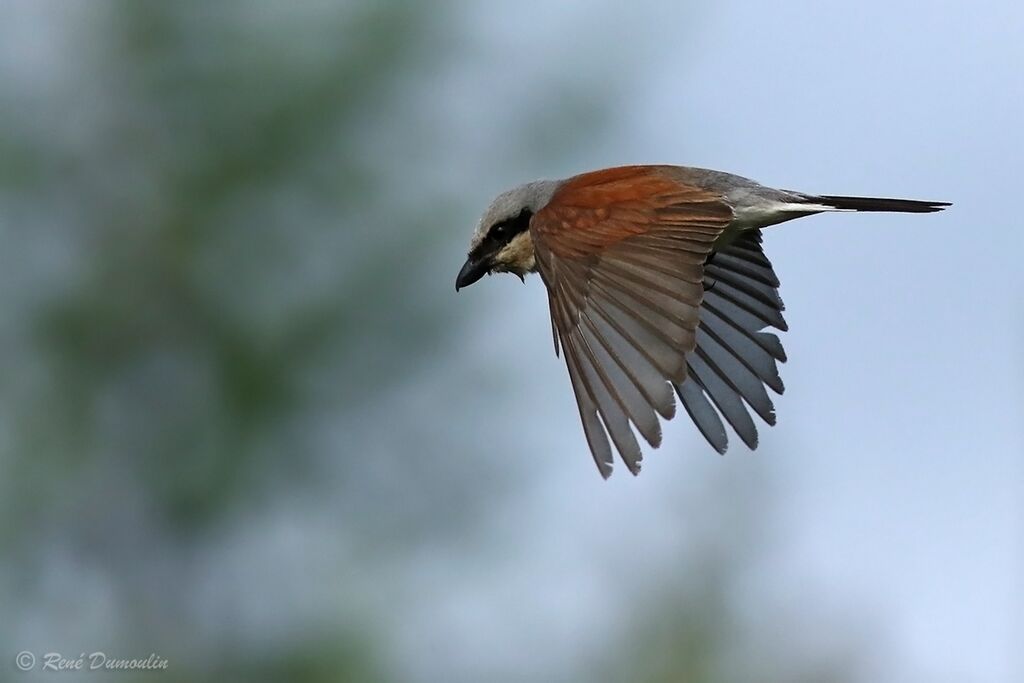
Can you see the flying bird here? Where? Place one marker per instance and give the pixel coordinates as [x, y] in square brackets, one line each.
[657, 286]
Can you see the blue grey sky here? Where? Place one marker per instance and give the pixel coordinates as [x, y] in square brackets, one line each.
[897, 465]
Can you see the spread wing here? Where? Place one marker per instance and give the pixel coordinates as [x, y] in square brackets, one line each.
[622, 253]
[735, 360]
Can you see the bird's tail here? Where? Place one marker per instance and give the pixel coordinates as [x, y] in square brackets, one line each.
[839, 203]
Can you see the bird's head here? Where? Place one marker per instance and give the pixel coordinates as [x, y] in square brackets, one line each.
[501, 242]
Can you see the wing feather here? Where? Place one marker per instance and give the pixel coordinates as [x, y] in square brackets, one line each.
[597, 439]
[735, 360]
[724, 396]
[767, 313]
[703, 414]
[736, 372]
[643, 376]
[597, 383]
[650, 335]
[760, 292]
[643, 298]
[744, 346]
[756, 271]
[625, 281]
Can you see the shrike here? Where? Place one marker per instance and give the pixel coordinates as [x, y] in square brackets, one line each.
[656, 282]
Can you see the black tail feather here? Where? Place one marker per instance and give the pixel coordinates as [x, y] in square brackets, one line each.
[878, 204]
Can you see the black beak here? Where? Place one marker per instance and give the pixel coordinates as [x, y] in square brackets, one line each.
[472, 271]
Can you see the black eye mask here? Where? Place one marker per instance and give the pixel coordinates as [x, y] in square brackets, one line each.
[481, 260]
[501, 233]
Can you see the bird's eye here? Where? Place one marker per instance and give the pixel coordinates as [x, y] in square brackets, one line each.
[507, 229]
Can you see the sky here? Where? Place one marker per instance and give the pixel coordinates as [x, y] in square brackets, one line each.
[897, 465]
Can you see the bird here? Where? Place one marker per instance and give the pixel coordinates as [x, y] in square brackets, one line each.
[658, 287]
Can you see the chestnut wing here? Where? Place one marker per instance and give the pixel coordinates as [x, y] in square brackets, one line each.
[622, 254]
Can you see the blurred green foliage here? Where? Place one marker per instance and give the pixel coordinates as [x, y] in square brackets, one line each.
[195, 315]
[202, 164]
